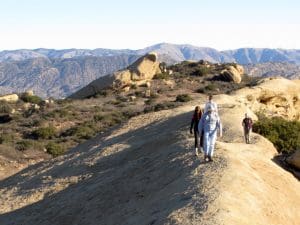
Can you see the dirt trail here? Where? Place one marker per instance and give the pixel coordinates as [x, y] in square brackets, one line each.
[144, 172]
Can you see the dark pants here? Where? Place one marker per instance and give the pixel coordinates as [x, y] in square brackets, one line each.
[198, 140]
[247, 135]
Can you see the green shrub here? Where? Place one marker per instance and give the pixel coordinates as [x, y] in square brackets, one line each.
[54, 149]
[159, 106]
[202, 71]
[23, 145]
[6, 138]
[83, 131]
[99, 117]
[60, 113]
[208, 89]
[32, 99]
[285, 135]
[44, 133]
[5, 108]
[161, 76]
[183, 98]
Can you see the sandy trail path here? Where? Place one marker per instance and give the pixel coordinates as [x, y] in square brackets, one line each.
[145, 172]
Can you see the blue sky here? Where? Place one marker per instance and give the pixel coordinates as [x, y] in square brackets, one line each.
[137, 24]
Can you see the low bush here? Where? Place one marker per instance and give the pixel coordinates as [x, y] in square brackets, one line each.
[24, 145]
[161, 76]
[99, 117]
[211, 88]
[32, 99]
[159, 106]
[285, 135]
[83, 131]
[44, 133]
[202, 71]
[5, 108]
[183, 98]
[54, 149]
[6, 138]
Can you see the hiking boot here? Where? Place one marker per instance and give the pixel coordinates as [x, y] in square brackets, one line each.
[210, 159]
[196, 152]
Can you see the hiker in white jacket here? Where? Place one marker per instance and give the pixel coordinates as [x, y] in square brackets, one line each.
[209, 124]
[210, 103]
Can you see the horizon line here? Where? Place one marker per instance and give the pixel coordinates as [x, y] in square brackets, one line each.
[137, 49]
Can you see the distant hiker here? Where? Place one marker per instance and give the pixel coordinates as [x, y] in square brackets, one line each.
[247, 124]
[212, 104]
[209, 124]
[194, 127]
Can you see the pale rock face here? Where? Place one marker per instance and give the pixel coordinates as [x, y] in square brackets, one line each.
[170, 83]
[29, 93]
[126, 89]
[294, 159]
[233, 74]
[132, 98]
[148, 93]
[145, 67]
[122, 78]
[9, 98]
[26, 106]
[274, 97]
[140, 72]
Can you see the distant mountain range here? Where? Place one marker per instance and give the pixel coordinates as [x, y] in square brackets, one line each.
[58, 73]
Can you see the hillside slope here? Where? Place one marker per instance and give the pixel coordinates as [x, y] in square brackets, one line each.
[57, 77]
[144, 172]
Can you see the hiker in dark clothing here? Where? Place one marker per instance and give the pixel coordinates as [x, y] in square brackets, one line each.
[247, 124]
[194, 128]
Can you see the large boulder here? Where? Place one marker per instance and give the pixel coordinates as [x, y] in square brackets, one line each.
[140, 72]
[232, 74]
[273, 97]
[29, 93]
[9, 98]
[294, 159]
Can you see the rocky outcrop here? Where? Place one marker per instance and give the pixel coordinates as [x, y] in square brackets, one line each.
[273, 97]
[294, 159]
[140, 72]
[9, 98]
[232, 74]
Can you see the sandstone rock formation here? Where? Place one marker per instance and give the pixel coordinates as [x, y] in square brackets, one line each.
[9, 98]
[294, 159]
[232, 74]
[29, 93]
[273, 97]
[140, 72]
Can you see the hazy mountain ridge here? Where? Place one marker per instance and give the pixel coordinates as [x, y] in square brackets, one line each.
[174, 51]
[57, 77]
